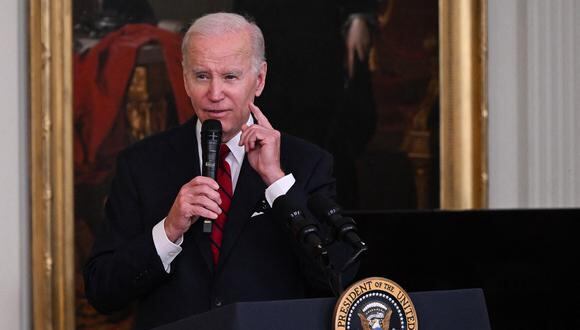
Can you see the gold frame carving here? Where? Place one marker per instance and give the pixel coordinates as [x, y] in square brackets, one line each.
[51, 170]
[463, 117]
[463, 50]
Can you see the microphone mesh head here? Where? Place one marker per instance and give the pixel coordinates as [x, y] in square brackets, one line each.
[211, 125]
[322, 206]
[286, 208]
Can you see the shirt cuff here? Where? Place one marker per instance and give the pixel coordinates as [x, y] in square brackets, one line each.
[279, 187]
[166, 249]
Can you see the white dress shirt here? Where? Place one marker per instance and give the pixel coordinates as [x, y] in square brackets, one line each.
[166, 249]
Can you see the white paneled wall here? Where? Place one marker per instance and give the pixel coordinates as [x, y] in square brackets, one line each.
[534, 90]
[14, 235]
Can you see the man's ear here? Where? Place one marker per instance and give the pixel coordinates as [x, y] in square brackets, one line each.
[261, 79]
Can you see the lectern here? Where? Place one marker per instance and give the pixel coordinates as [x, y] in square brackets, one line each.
[437, 310]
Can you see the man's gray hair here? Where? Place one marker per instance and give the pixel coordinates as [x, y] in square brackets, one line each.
[221, 23]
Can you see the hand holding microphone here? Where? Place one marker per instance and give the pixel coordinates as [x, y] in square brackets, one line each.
[199, 197]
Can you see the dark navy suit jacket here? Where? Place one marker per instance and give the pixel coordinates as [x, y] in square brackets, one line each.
[260, 260]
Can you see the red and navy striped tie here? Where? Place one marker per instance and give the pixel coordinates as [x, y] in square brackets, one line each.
[224, 180]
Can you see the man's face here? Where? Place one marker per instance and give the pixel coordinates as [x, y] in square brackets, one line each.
[220, 80]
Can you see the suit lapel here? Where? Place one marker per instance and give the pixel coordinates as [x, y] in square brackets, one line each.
[185, 168]
[249, 191]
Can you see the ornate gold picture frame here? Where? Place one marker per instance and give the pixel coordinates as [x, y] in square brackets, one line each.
[463, 120]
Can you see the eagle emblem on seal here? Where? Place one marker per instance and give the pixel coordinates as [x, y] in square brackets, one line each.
[375, 316]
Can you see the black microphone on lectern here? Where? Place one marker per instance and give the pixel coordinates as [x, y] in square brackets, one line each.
[303, 227]
[344, 227]
[211, 138]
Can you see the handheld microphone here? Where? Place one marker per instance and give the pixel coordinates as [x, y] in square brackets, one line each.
[302, 227]
[211, 138]
[344, 227]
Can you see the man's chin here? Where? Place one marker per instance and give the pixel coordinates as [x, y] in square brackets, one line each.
[229, 132]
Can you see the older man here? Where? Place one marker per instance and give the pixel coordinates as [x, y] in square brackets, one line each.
[152, 248]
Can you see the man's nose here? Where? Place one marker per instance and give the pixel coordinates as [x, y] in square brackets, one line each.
[215, 92]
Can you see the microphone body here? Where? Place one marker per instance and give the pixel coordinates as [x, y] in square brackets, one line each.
[344, 227]
[306, 230]
[302, 227]
[211, 138]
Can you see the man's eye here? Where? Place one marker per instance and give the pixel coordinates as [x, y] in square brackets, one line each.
[201, 76]
[231, 77]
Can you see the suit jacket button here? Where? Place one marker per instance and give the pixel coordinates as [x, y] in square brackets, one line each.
[218, 302]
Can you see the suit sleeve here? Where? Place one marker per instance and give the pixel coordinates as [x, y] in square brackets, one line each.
[124, 263]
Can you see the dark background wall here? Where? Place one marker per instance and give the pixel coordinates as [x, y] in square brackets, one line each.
[526, 261]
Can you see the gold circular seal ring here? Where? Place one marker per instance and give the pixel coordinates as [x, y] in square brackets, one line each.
[375, 303]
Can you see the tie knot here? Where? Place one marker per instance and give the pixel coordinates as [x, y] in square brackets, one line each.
[224, 151]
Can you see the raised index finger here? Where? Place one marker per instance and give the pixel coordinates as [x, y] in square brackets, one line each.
[262, 120]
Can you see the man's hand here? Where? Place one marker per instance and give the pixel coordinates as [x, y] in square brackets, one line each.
[262, 143]
[358, 42]
[197, 198]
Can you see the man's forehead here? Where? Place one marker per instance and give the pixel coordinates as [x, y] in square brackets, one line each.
[223, 48]
[219, 68]
[238, 41]
[232, 63]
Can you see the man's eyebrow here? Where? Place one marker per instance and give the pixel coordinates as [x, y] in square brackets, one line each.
[235, 72]
[198, 69]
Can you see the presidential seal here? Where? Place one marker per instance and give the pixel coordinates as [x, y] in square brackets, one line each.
[375, 303]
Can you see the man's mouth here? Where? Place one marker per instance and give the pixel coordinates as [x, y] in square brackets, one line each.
[217, 112]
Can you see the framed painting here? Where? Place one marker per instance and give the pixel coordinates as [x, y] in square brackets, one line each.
[458, 93]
